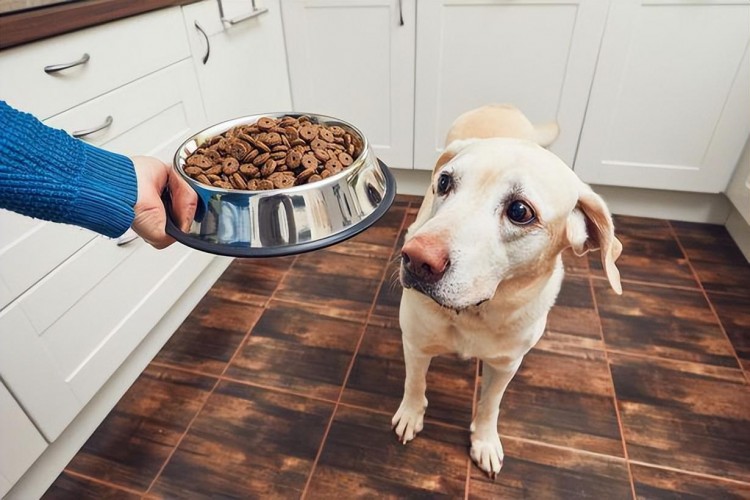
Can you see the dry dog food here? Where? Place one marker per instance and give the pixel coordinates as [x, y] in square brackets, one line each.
[273, 154]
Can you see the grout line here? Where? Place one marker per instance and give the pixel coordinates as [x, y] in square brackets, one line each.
[216, 384]
[651, 283]
[614, 392]
[103, 482]
[473, 414]
[563, 448]
[708, 300]
[351, 363]
[690, 473]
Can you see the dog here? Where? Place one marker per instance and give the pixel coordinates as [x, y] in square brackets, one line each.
[481, 265]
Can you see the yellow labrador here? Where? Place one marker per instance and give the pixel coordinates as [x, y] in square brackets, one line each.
[481, 265]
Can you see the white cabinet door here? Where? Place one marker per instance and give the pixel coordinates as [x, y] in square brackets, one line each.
[355, 60]
[22, 443]
[670, 100]
[537, 55]
[245, 71]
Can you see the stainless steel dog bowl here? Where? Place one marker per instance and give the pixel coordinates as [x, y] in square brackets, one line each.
[287, 221]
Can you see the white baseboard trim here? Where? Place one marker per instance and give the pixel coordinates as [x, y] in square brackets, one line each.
[674, 205]
[52, 462]
[739, 229]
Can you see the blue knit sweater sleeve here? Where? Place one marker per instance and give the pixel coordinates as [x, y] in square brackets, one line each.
[46, 173]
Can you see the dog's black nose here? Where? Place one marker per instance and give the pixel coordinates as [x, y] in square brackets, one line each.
[425, 259]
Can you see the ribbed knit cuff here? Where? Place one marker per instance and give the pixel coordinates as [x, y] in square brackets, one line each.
[108, 192]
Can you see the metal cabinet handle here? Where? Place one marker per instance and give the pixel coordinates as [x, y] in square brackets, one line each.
[208, 44]
[254, 13]
[54, 68]
[400, 13]
[78, 134]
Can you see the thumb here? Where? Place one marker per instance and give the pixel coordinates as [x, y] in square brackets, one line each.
[184, 200]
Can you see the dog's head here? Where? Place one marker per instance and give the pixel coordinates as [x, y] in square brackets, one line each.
[501, 210]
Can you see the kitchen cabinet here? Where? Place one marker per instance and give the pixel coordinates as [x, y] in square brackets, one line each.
[539, 56]
[241, 67]
[669, 103]
[355, 60]
[22, 443]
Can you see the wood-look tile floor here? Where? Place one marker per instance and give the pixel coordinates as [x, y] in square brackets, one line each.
[282, 382]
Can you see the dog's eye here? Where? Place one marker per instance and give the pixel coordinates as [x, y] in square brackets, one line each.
[444, 183]
[520, 213]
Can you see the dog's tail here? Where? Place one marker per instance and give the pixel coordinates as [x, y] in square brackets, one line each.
[546, 133]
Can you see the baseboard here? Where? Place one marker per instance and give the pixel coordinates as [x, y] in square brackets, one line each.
[674, 205]
[51, 463]
[740, 231]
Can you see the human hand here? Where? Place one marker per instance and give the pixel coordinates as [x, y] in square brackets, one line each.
[150, 220]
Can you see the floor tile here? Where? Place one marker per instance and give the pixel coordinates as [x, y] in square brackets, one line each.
[717, 260]
[653, 483]
[362, 458]
[534, 471]
[252, 281]
[574, 264]
[574, 312]
[670, 323]
[208, 338]
[344, 282]
[377, 379]
[68, 486]
[650, 253]
[298, 348]
[563, 398]
[389, 297]
[385, 231]
[135, 439]
[247, 442]
[678, 416]
[734, 314]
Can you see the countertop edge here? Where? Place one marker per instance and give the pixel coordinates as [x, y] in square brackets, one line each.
[30, 26]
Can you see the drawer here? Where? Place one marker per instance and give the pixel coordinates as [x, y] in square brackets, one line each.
[150, 116]
[31, 248]
[119, 52]
[22, 443]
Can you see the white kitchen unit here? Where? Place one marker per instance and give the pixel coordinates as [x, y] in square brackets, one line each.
[79, 310]
[355, 60]
[538, 55]
[241, 67]
[21, 442]
[669, 103]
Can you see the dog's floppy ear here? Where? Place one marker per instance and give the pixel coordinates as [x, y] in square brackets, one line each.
[590, 227]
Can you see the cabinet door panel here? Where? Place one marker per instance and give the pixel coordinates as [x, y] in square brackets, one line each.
[246, 71]
[539, 56]
[355, 61]
[22, 443]
[669, 103]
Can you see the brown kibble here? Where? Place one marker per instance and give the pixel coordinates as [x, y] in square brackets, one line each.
[318, 144]
[345, 159]
[193, 171]
[230, 166]
[282, 180]
[265, 184]
[314, 178]
[278, 155]
[202, 179]
[321, 154]
[308, 132]
[273, 139]
[309, 161]
[251, 156]
[293, 159]
[326, 135]
[262, 146]
[325, 174]
[261, 159]
[249, 170]
[213, 178]
[333, 165]
[304, 175]
[215, 170]
[266, 123]
[268, 168]
[200, 161]
[238, 181]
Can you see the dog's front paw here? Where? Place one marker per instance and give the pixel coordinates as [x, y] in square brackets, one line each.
[409, 420]
[487, 453]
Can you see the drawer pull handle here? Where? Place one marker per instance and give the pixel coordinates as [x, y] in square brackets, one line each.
[208, 44]
[79, 134]
[54, 68]
[254, 13]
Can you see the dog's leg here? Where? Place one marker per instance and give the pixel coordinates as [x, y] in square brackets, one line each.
[486, 449]
[409, 418]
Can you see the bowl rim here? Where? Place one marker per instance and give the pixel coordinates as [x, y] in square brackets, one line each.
[180, 157]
